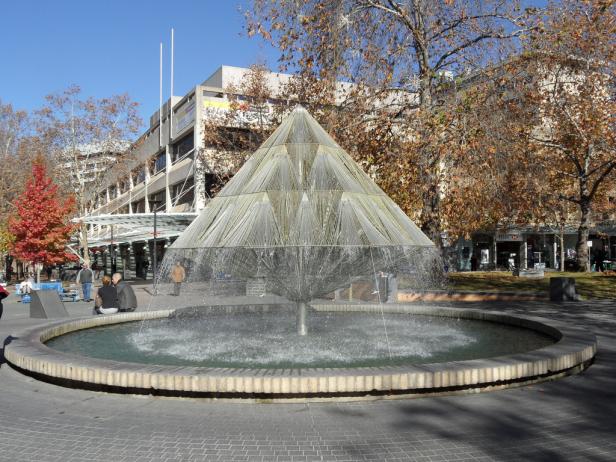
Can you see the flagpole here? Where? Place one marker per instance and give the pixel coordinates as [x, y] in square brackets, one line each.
[160, 99]
[171, 96]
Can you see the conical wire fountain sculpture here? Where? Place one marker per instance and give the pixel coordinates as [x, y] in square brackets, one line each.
[302, 216]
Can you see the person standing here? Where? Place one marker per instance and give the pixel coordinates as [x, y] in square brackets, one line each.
[178, 274]
[127, 301]
[84, 277]
[27, 286]
[474, 263]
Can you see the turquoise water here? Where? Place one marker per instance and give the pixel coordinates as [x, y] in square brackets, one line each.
[269, 340]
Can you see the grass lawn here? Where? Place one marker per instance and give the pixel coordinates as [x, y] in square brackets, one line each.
[588, 285]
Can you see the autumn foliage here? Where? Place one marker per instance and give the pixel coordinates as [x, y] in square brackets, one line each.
[41, 226]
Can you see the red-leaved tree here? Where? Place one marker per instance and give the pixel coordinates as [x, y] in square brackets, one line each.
[41, 225]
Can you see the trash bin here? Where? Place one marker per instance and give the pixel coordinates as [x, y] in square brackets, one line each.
[563, 289]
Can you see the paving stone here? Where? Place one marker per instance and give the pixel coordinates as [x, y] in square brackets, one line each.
[569, 419]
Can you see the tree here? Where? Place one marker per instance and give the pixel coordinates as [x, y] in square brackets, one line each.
[404, 54]
[567, 111]
[15, 159]
[6, 242]
[41, 226]
[232, 134]
[85, 136]
[13, 125]
[13, 130]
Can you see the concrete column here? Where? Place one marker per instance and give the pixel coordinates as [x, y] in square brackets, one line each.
[107, 263]
[129, 263]
[119, 260]
[555, 253]
[168, 203]
[524, 252]
[199, 148]
[149, 245]
[147, 181]
[199, 181]
[130, 192]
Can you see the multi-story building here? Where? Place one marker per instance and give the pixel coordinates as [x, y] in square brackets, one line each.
[165, 175]
[162, 174]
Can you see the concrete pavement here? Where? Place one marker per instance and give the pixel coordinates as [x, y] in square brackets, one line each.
[568, 419]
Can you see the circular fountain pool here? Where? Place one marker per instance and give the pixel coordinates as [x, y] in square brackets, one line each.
[269, 340]
[568, 350]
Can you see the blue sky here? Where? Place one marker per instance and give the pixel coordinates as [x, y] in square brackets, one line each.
[111, 46]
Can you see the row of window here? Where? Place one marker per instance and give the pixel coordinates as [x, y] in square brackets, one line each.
[179, 150]
[181, 193]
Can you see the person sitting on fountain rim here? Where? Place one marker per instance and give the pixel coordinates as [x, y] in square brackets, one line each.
[106, 298]
[178, 274]
[127, 301]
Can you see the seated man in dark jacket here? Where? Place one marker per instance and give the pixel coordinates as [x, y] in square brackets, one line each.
[127, 301]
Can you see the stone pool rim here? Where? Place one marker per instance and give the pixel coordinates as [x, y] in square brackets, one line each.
[573, 351]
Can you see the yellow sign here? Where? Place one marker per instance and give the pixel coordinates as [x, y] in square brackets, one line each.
[217, 104]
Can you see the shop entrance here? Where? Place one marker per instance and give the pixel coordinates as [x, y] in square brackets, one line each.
[508, 254]
[141, 262]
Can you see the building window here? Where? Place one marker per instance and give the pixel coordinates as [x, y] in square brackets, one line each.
[159, 198]
[124, 186]
[182, 147]
[183, 192]
[138, 175]
[160, 163]
[139, 206]
[213, 94]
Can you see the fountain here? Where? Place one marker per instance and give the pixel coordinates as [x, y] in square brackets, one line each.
[300, 235]
[302, 217]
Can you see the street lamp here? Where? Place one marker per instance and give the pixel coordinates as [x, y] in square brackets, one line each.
[153, 205]
[112, 253]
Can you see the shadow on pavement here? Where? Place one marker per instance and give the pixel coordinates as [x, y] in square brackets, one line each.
[6, 341]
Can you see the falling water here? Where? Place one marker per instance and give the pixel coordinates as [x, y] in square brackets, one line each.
[299, 222]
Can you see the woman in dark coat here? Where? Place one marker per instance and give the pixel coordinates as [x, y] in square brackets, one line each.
[106, 298]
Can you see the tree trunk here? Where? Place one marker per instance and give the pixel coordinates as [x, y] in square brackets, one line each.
[430, 214]
[38, 267]
[562, 248]
[83, 242]
[582, 236]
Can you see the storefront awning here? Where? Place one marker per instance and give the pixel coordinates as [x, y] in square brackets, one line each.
[144, 220]
[133, 227]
